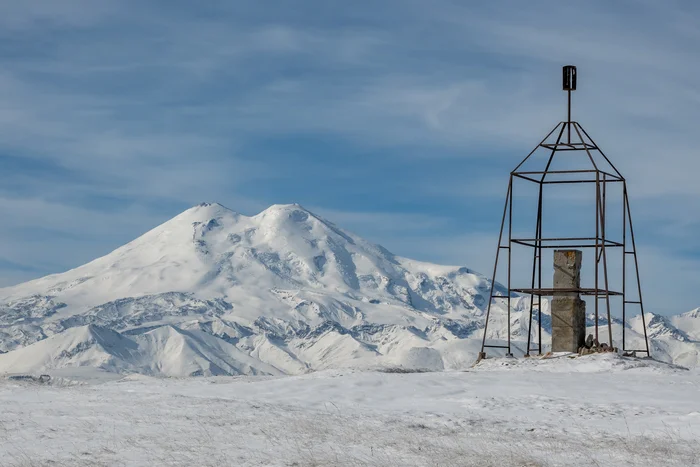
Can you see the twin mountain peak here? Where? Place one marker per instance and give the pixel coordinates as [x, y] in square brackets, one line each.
[213, 291]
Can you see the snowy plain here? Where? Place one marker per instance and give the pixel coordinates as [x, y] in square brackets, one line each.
[593, 410]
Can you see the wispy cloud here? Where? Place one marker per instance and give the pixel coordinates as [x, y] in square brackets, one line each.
[399, 119]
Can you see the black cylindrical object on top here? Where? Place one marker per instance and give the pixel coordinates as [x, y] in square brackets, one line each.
[569, 74]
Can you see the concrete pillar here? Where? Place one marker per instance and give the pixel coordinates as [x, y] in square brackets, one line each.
[568, 310]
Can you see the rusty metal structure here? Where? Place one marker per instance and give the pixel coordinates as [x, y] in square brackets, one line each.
[569, 140]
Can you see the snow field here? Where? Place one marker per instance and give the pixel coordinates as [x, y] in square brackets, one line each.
[594, 410]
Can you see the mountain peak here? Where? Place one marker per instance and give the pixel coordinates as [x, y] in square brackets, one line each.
[288, 216]
[210, 207]
[284, 209]
[212, 291]
[212, 210]
[692, 313]
[203, 212]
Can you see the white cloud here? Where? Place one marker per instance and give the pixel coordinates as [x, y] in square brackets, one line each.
[144, 101]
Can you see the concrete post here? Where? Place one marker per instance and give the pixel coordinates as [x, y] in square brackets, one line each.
[568, 310]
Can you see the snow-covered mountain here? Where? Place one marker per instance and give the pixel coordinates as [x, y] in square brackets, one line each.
[283, 292]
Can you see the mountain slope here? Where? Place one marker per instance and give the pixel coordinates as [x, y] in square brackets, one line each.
[215, 292]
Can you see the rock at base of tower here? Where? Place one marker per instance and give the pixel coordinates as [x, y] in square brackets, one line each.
[568, 310]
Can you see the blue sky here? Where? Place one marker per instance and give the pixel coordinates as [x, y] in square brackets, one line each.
[398, 120]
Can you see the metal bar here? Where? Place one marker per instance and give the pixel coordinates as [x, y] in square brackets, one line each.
[568, 147]
[568, 171]
[581, 290]
[533, 151]
[573, 246]
[595, 166]
[612, 244]
[495, 266]
[539, 298]
[599, 150]
[565, 147]
[568, 246]
[496, 346]
[608, 242]
[597, 227]
[538, 234]
[526, 178]
[565, 182]
[538, 247]
[612, 177]
[636, 267]
[605, 260]
[555, 146]
[624, 261]
[555, 239]
[522, 242]
[569, 116]
[532, 298]
[540, 172]
[510, 237]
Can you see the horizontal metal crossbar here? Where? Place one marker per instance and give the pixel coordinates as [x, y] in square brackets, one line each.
[533, 242]
[540, 172]
[569, 146]
[557, 291]
[567, 239]
[608, 177]
[497, 346]
[555, 182]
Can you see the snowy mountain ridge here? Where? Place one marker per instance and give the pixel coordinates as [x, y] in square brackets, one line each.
[283, 292]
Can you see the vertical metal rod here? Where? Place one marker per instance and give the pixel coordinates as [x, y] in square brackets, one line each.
[510, 251]
[539, 301]
[495, 264]
[538, 236]
[597, 233]
[605, 261]
[636, 267]
[624, 264]
[569, 118]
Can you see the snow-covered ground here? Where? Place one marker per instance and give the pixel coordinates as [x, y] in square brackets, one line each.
[594, 410]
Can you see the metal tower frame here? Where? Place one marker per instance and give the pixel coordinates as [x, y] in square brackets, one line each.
[574, 141]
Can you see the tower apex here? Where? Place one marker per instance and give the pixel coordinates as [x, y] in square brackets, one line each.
[569, 78]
